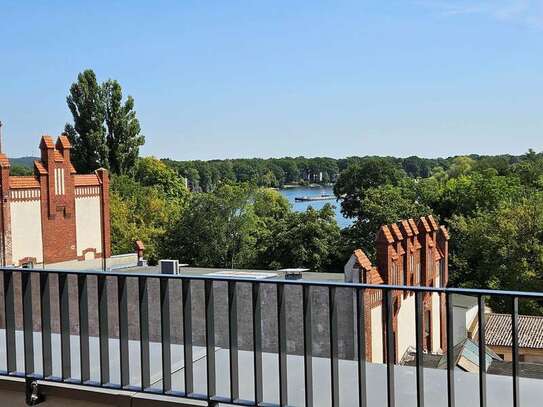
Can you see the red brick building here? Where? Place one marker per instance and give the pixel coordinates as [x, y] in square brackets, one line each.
[56, 215]
[409, 253]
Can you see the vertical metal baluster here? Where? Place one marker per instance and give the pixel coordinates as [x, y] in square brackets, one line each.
[482, 352]
[187, 337]
[450, 351]
[210, 339]
[389, 348]
[165, 333]
[103, 329]
[419, 326]
[45, 299]
[63, 287]
[282, 343]
[514, 336]
[361, 331]
[84, 353]
[122, 298]
[308, 346]
[9, 309]
[26, 285]
[233, 340]
[144, 333]
[334, 363]
[257, 344]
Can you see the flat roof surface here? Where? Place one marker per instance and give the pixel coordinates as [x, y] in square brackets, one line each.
[202, 271]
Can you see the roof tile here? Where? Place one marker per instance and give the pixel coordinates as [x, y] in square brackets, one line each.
[23, 182]
[86, 180]
[362, 259]
[530, 331]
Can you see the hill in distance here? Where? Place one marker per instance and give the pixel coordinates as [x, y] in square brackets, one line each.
[24, 161]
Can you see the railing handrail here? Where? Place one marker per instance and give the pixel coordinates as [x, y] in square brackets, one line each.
[317, 283]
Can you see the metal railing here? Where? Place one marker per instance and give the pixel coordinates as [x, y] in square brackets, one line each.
[166, 315]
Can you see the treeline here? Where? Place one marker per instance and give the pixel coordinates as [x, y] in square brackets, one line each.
[205, 176]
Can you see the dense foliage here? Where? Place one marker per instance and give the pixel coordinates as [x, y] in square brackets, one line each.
[106, 132]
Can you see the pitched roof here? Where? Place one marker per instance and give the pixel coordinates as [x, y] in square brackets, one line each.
[423, 223]
[39, 166]
[64, 142]
[413, 225]
[362, 259]
[47, 141]
[86, 180]
[530, 331]
[384, 234]
[406, 228]
[432, 222]
[23, 182]
[396, 231]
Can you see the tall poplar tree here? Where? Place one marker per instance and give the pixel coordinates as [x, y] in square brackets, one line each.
[106, 132]
[87, 134]
[123, 129]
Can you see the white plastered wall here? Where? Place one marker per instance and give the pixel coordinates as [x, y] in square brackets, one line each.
[377, 334]
[88, 224]
[26, 230]
[406, 336]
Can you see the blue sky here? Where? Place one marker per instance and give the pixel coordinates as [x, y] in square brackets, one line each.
[225, 79]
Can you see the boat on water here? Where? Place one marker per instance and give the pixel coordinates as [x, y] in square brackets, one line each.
[314, 198]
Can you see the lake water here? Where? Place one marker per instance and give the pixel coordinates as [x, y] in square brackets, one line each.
[291, 193]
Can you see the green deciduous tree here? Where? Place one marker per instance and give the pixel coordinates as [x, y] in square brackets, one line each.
[123, 129]
[106, 132]
[88, 133]
[501, 249]
[354, 182]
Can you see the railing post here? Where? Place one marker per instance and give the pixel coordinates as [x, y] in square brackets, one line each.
[257, 343]
[334, 363]
[28, 329]
[361, 332]
[233, 340]
[165, 336]
[84, 353]
[187, 337]
[282, 342]
[514, 337]
[390, 354]
[103, 329]
[210, 339]
[450, 351]
[419, 327]
[144, 333]
[45, 299]
[122, 299]
[482, 352]
[65, 326]
[9, 309]
[308, 346]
